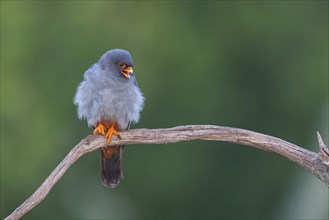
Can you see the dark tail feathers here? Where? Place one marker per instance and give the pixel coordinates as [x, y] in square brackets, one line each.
[111, 172]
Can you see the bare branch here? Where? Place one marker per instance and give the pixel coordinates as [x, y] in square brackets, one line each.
[316, 163]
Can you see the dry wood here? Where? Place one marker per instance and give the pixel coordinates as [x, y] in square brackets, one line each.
[316, 163]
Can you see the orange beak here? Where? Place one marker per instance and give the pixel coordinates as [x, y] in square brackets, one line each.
[126, 73]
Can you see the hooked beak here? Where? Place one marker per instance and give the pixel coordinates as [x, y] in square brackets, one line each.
[126, 73]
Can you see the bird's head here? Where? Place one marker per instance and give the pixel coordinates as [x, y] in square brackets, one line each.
[119, 62]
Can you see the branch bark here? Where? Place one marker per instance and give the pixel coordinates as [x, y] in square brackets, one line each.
[316, 163]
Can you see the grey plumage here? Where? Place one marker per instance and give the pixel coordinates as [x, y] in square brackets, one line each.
[106, 96]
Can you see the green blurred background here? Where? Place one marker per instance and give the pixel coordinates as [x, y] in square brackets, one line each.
[261, 66]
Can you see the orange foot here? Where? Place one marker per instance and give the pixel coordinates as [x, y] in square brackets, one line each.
[111, 131]
[100, 129]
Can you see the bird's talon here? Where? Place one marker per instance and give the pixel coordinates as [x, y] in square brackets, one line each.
[111, 131]
[100, 129]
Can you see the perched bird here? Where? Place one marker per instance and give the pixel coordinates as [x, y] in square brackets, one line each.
[110, 99]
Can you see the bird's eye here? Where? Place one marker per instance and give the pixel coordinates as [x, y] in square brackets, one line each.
[121, 65]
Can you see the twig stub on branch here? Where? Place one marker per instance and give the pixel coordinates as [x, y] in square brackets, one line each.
[324, 151]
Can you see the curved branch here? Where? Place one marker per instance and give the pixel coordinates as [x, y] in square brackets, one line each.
[316, 163]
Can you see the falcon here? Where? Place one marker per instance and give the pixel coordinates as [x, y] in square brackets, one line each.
[110, 100]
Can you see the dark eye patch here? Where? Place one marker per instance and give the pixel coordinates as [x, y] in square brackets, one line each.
[121, 65]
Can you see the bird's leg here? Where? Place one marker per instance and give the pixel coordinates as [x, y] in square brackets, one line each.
[100, 129]
[112, 131]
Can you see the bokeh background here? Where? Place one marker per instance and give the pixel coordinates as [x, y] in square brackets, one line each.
[261, 66]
